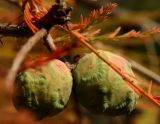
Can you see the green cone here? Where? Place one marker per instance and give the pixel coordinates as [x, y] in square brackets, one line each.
[100, 89]
[44, 90]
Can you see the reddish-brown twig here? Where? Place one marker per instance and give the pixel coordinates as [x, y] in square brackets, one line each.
[129, 81]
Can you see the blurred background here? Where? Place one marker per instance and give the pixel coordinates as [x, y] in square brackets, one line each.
[144, 55]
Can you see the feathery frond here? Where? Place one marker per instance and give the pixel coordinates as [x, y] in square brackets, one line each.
[97, 16]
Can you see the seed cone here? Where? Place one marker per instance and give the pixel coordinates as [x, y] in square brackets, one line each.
[45, 90]
[102, 90]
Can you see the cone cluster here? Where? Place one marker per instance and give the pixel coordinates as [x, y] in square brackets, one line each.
[45, 90]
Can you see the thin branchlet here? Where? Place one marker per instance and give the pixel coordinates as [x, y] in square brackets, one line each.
[21, 56]
[15, 30]
[125, 77]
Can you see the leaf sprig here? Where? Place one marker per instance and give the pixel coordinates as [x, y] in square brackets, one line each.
[97, 16]
[114, 36]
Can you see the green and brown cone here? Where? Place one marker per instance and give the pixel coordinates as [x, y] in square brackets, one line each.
[45, 90]
[102, 90]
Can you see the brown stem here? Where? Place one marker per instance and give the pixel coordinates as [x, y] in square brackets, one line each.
[141, 69]
[49, 43]
[15, 30]
[21, 56]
